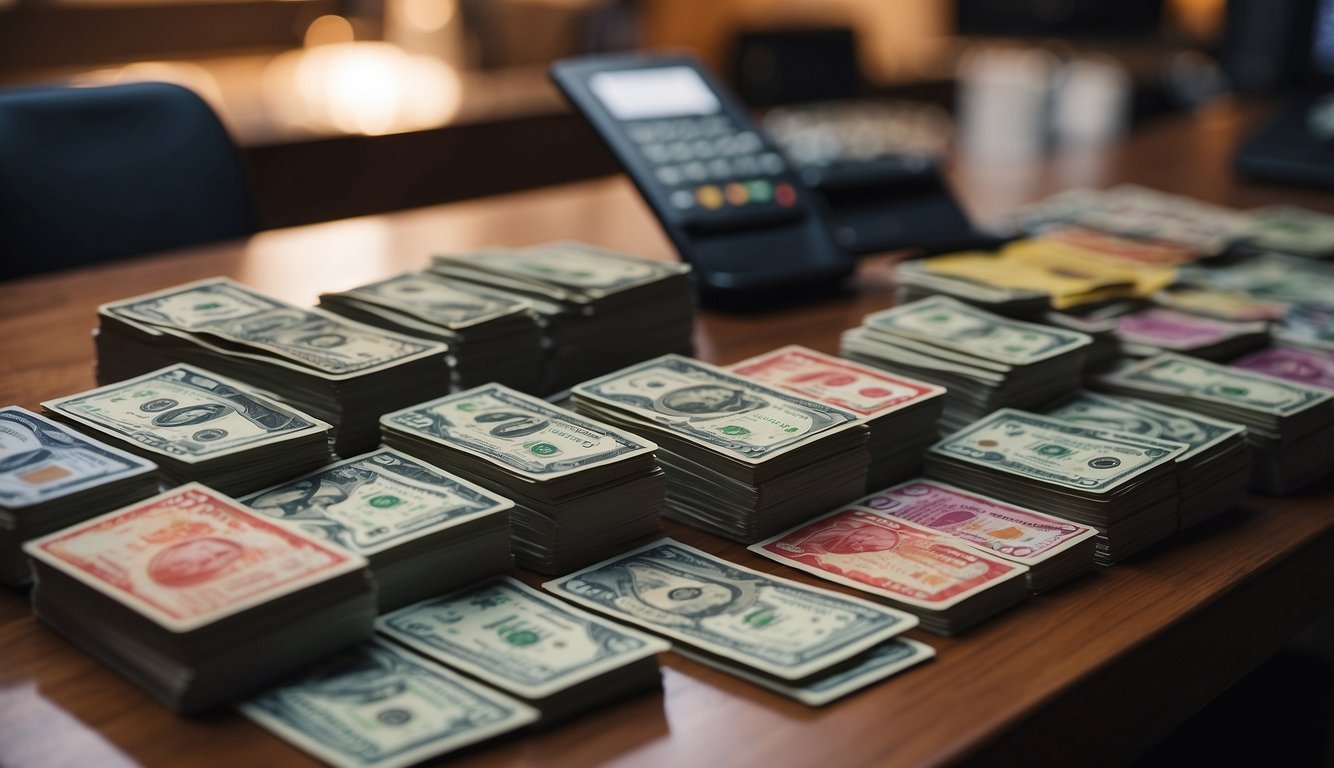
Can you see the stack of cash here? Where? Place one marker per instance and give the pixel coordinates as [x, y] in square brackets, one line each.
[799, 640]
[1104, 348]
[341, 371]
[546, 653]
[1303, 287]
[948, 584]
[422, 530]
[1304, 366]
[491, 336]
[197, 599]
[915, 282]
[900, 414]
[1123, 485]
[1151, 331]
[1289, 426]
[1054, 550]
[743, 460]
[984, 360]
[376, 704]
[1290, 229]
[52, 477]
[600, 310]
[199, 426]
[1214, 472]
[581, 489]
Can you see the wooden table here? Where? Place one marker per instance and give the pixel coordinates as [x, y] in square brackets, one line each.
[1092, 673]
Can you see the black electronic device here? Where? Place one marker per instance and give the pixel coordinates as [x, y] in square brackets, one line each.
[727, 198]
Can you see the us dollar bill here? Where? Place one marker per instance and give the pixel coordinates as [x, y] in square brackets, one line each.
[960, 327]
[711, 407]
[520, 432]
[433, 299]
[1137, 417]
[564, 270]
[187, 413]
[381, 706]
[780, 627]
[42, 460]
[1186, 376]
[373, 502]
[310, 338]
[516, 638]
[1053, 451]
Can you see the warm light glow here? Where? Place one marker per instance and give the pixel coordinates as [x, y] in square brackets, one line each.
[327, 30]
[428, 15]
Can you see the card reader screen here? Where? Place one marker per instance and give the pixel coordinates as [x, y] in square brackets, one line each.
[640, 94]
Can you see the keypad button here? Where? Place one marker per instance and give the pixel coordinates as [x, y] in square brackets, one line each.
[761, 191]
[656, 153]
[785, 195]
[641, 133]
[748, 142]
[709, 196]
[736, 193]
[695, 171]
[720, 168]
[702, 149]
[669, 175]
[771, 163]
[679, 152]
[746, 165]
[682, 199]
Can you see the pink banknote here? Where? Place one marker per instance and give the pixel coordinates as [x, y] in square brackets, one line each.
[1300, 365]
[1169, 329]
[833, 381]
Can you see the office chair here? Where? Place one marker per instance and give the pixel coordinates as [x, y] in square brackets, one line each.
[94, 174]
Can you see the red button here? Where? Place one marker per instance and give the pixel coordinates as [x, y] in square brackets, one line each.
[785, 195]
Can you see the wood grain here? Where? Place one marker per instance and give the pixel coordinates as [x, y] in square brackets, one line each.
[1091, 673]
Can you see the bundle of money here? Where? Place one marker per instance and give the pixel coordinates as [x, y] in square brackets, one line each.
[341, 371]
[600, 310]
[1304, 287]
[422, 530]
[1124, 249]
[1099, 324]
[1123, 485]
[1289, 426]
[1214, 471]
[780, 631]
[581, 489]
[1222, 304]
[379, 705]
[199, 426]
[546, 653]
[900, 414]
[491, 337]
[1304, 366]
[1053, 549]
[916, 282]
[1151, 331]
[984, 360]
[1290, 229]
[743, 460]
[197, 599]
[52, 477]
[950, 585]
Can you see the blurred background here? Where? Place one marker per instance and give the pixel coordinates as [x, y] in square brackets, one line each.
[348, 107]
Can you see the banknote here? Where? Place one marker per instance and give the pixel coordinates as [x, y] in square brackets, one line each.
[991, 525]
[871, 551]
[41, 460]
[190, 556]
[378, 706]
[1068, 286]
[1308, 367]
[1291, 229]
[525, 434]
[1054, 451]
[1169, 329]
[320, 341]
[956, 326]
[517, 639]
[1272, 277]
[1308, 325]
[434, 299]
[1228, 305]
[711, 407]
[187, 413]
[376, 501]
[1140, 212]
[866, 391]
[870, 667]
[1185, 376]
[1059, 258]
[581, 270]
[1137, 417]
[1105, 244]
[775, 625]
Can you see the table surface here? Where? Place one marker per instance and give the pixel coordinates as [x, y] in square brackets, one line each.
[1093, 672]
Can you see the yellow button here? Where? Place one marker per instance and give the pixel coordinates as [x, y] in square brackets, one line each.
[709, 196]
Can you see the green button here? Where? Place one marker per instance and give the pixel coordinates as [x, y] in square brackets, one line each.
[761, 191]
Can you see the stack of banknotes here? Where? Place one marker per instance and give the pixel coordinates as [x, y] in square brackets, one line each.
[807, 643]
[900, 414]
[985, 361]
[1304, 366]
[1214, 471]
[915, 281]
[341, 371]
[1124, 485]
[948, 584]
[1289, 426]
[197, 599]
[1148, 332]
[1099, 324]
[1055, 550]
[541, 650]
[423, 530]
[582, 490]
[1289, 229]
[1302, 288]
[743, 460]
[600, 310]
[199, 426]
[52, 477]
[492, 337]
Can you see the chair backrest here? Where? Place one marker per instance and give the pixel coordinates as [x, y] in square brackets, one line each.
[93, 174]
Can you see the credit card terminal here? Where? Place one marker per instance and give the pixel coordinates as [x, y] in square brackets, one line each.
[725, 195]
